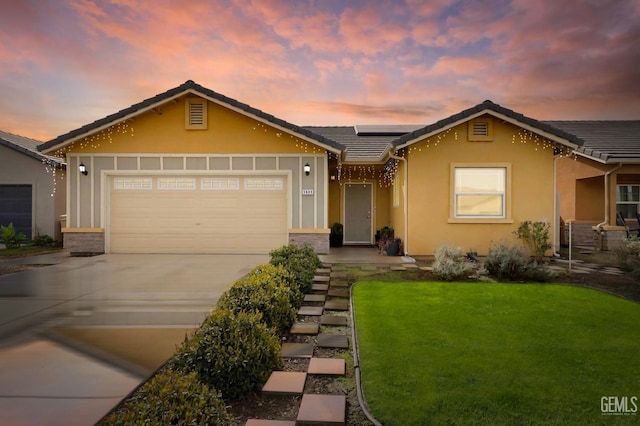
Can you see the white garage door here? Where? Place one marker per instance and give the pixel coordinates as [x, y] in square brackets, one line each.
[197, 214]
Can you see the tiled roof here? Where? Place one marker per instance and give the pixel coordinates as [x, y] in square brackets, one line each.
[25, 146]
[487, 106]
[188, 86]
[364, 143]
[607, 141]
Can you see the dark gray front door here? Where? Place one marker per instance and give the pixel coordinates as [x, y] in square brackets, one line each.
[358, 205]
[15, 207]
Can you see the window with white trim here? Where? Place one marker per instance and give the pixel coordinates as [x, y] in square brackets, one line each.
[480, 192]
[628, 200]
[264, 184]
[195, 113]
[176, 183]
[132, 183]
[220, 184]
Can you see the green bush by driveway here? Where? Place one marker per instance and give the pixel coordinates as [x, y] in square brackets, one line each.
[470, 353]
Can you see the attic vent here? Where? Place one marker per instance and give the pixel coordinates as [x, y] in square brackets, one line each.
[481, 129]
[196, 113]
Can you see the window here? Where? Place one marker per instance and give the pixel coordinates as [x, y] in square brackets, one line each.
[177, 183]
[132, 183]
[220, 184]
[195, 113]
[628, 200]
[480, 192]
[480, 129]
[264, 184]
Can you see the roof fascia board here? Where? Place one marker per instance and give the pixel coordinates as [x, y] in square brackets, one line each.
[267, 122]
[130, 116]
[442, 129]
[497, 115]
[36, 156]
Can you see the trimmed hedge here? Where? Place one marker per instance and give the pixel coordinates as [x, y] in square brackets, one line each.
[233, 352]
[170, 398]
[267, 291]
[302, 262]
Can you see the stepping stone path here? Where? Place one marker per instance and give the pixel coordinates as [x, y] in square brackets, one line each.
[315, 408]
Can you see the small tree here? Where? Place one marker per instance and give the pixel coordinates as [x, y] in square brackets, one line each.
[535, 236]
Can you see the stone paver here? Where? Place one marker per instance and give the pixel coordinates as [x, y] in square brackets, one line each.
[339, 274]
[398, 268]
[305, 328]
[426, 268]
[338, 292]
[259, 422]
[323, 271]
[320, 287]
[321, 279]
[338, 268]
[324, 409]
[327, 366]
[314, 297]
[310, 310]
[410, 265]
[333, 320]
[297, 350]
[285, 383]
[369, 268]
[333, 341]
[339, 283]
[337, 305]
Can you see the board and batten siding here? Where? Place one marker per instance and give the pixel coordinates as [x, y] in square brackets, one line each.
[86, 203]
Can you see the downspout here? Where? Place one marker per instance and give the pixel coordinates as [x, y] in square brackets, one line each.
[606, 203]
[556, 213]
[405, 194]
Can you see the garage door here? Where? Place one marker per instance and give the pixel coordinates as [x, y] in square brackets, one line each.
[197, 214]
[15, 207]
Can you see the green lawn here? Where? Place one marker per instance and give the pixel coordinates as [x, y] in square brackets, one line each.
[471, 353]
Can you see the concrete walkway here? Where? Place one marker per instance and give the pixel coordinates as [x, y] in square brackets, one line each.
[79, 335]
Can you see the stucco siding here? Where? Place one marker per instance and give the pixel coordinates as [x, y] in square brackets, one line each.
[430, 189]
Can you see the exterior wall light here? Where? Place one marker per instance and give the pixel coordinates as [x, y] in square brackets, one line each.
[307, 169]
[83, 169]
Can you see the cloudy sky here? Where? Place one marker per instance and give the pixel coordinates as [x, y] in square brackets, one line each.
[65, 63]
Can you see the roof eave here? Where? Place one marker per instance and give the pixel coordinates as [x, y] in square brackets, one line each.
[496, 114]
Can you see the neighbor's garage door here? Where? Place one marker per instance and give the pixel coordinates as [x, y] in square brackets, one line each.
[210, 214]
[15, 207]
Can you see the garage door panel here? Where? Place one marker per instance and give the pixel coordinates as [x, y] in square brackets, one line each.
[197, 221]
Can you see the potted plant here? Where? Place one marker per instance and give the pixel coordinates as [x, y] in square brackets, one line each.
[337, 232]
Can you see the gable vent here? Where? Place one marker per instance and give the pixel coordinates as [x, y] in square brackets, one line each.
[196, 113]
[480, 128]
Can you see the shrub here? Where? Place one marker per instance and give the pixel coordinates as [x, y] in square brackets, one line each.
[11, 238]
[42, 240]
[302, 262]
[336, 235]
[628, 254]
[232, 352]
[450, 264]
[169, 399]
[262, 291]
[507, 261]
[535, 236]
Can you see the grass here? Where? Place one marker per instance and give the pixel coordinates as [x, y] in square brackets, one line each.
[27, 250]
[470, 353]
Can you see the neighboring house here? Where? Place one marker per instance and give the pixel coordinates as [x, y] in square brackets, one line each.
[192, 171]
[602, 180]
[32, 189]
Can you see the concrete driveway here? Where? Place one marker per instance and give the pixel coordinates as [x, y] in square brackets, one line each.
[79, 335]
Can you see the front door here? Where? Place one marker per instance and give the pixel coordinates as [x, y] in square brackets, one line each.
[358, 207]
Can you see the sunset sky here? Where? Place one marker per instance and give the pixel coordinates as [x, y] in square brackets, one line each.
[66, 63]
